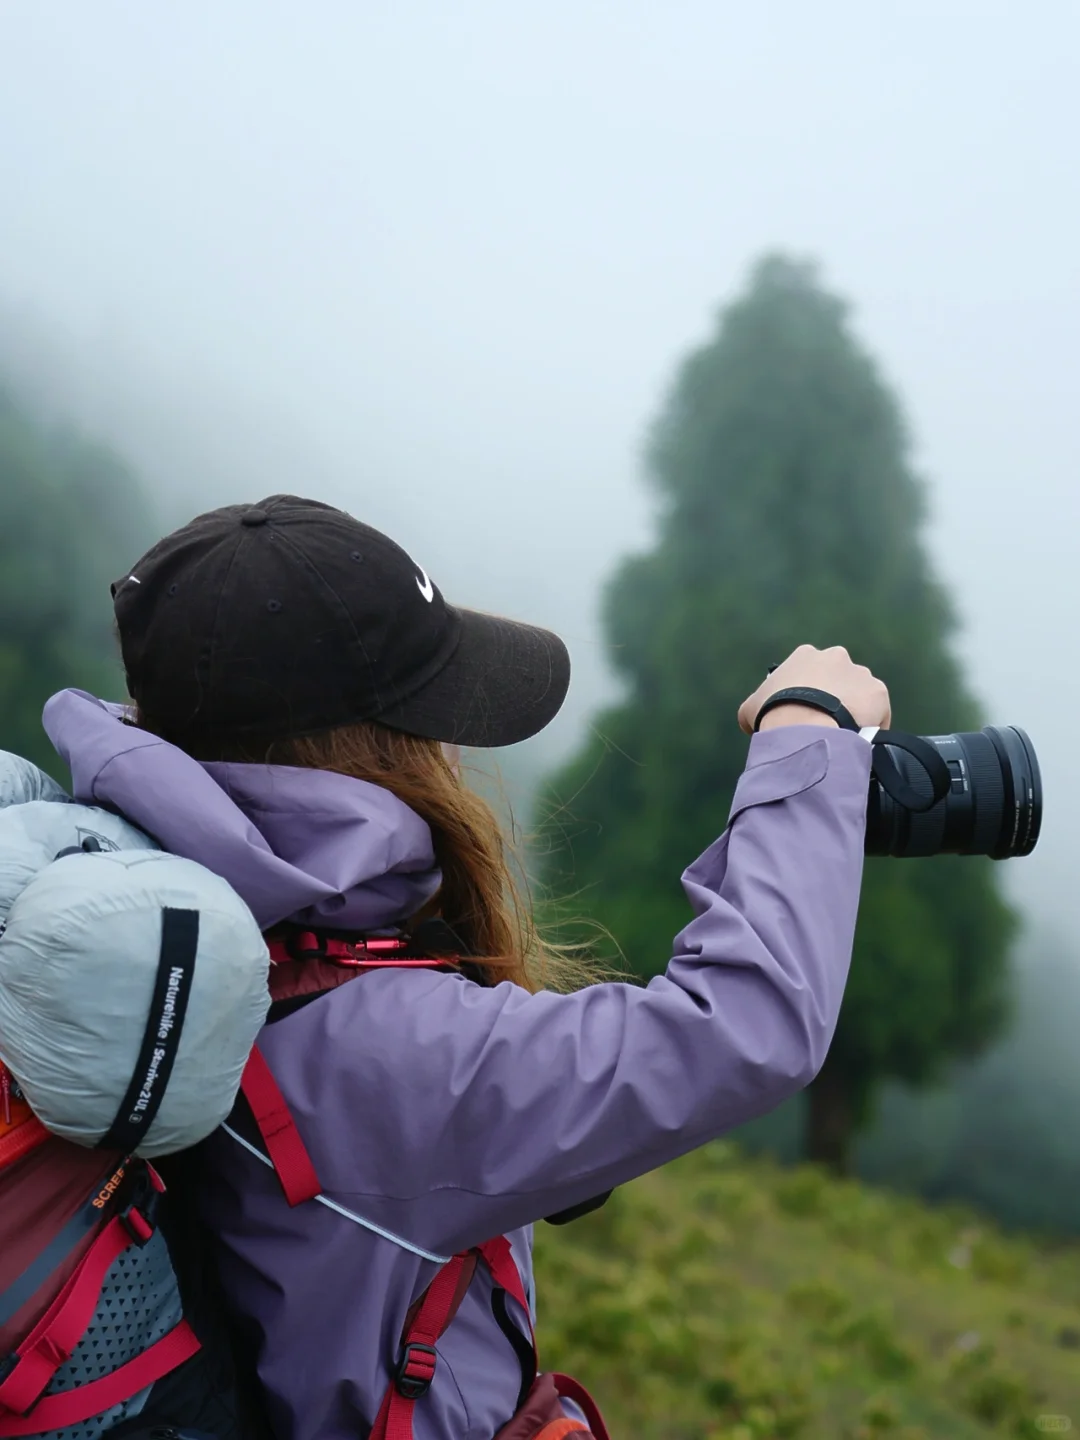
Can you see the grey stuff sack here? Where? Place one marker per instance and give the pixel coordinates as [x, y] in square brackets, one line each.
[133, 983]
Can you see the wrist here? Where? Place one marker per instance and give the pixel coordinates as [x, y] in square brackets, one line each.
[793, 714]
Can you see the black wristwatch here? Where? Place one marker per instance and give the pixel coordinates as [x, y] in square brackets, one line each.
[815, 699]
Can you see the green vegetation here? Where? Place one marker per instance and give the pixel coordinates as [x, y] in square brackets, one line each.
[1002, 1135]
[788, 513]
[71, 517]
[730, 1299]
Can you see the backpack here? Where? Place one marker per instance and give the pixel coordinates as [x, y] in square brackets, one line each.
[90, 1308]
[109, 1319]
[305, 965]
[112, 1323]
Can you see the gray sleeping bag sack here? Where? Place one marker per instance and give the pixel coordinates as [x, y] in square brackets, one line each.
[133, 983]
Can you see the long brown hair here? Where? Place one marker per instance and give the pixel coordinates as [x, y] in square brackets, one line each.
[483, 896]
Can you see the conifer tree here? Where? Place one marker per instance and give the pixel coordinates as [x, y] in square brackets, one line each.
[71, 516]
[788, 513]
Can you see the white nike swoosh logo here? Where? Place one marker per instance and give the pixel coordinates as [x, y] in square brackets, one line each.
[427, 590]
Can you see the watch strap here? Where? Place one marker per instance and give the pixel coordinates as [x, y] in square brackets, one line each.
[815, 699]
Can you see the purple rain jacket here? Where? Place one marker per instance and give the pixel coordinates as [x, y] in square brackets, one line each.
[440, 1113]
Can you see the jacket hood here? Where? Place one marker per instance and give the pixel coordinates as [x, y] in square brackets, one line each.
[296, 844]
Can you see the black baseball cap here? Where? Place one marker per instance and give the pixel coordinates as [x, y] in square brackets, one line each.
[289, 617]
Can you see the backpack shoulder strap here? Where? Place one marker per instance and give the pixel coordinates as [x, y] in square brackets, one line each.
[416, 1368]
[430, 1316]
[499, 1260]
[287, 1151]
[310, 963]
[428, 1322]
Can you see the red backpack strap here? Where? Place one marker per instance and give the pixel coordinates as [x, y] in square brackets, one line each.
[507, 1281]
[504, 1271]
[429, 1321]
[574, 1391]
[416, 1368]
[287, 1151]
[72, 1407]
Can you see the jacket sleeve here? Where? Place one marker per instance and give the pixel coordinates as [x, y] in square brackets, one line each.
[450, 1113]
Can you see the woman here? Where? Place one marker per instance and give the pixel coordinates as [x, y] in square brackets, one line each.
[296, 677]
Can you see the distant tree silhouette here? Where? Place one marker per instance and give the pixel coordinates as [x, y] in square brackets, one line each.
[71, 516]
[789, 513]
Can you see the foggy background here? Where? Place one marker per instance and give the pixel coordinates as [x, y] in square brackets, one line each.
[436, 262]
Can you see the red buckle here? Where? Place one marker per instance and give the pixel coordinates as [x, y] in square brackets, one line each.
[308, 946]
[415, 1371]
[137, 1226]
[139, 1215]
[366, 954]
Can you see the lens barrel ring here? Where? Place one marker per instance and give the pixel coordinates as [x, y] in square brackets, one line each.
[987, 793]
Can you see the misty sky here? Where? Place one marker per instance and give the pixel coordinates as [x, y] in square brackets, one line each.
[437, 261]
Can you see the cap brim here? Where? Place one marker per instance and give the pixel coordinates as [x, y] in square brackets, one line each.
[504, 682]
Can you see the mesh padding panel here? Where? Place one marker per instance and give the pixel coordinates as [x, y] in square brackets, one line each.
[139, 1305]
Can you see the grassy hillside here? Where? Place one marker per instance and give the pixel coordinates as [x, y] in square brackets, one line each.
[728, 1299]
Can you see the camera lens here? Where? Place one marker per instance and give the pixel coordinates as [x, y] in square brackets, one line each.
[993, 806]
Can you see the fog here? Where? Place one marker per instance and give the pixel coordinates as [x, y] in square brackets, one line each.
[436, 262]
